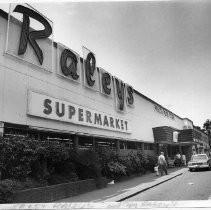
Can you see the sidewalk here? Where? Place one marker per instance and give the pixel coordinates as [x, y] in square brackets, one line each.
[125, 189]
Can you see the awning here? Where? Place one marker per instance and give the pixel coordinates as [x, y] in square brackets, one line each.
[178, 143]
[183, 143]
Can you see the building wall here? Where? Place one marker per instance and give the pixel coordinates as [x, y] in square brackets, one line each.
[18, 77]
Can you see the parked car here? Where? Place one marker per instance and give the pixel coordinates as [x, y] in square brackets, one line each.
[199, 161]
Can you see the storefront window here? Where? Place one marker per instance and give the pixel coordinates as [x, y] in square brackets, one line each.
[131, 145]
[60, 138]
[123, 145]
[85, 142]
[109, 143]
[148, 146]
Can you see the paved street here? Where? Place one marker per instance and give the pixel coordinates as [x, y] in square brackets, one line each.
[189, 186]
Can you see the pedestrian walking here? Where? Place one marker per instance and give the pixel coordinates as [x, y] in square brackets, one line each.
[184, 159]
[162, 164]
[178, 160]
[178, 155]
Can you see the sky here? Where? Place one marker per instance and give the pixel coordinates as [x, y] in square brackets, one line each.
[161, 48]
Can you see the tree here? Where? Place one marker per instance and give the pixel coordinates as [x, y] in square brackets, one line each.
[207, 127]
[198, 127]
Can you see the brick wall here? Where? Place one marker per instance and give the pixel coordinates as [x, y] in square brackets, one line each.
[57, 192]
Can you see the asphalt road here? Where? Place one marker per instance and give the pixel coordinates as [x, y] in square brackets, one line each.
[189, 186]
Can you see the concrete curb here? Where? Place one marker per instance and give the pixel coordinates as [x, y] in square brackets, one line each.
[145, 186]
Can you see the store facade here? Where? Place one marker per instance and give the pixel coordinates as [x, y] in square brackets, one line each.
[48, 91]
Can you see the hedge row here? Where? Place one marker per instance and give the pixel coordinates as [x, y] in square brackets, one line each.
[27, 163]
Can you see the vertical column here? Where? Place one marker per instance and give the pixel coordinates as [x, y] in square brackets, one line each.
[165, 150]
[188, 152]
[142, 147]
[117, 145]
[1, 135]
[136, 146]
[157, 149]
[1, 129]
[38, 136]
[160, 148]
[180, 150]
[170, 150]
[76, 142]
[94, 143]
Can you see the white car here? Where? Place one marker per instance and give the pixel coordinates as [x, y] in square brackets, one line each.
[199, 161]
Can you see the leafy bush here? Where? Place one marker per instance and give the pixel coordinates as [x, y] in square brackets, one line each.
[9, 186]
[72, 177]
[152, 161]
[64, 167]
[126, 161]
[88, 164]
[111, 163]
[16, 157]
[115, 165]
[137, 164]
[58, 179]
[6, 191]
[31, 163]
[116, 169]
[144, 160]
[21, 157]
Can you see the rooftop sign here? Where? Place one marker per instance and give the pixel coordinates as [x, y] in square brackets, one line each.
[163, 112]
[68, 64]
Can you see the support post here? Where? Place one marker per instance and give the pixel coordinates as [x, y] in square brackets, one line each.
[117, 145]
[93, 143]
[76, 142]
[1, 129]
[142, 147]
[180, 150]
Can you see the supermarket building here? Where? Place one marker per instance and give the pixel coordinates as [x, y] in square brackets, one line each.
[47, 91]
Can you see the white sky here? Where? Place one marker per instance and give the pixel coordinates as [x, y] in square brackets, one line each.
[161, 48]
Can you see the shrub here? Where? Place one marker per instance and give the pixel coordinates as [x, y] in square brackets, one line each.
[6, 191]
[115, 170]
[16, 157]
[72, 177]
[28, 183]
[152, 161]
[143, 159]
[114, 165]
[88, 164]
[136, 163]
[126, 161]
[56, 179]
[21, 157]
[64, 172]
[64, 167]
[111, 163]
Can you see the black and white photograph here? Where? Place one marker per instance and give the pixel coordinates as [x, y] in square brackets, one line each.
[105, 104]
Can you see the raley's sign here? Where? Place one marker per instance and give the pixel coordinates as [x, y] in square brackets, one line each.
[69, 61]
[52, 108]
